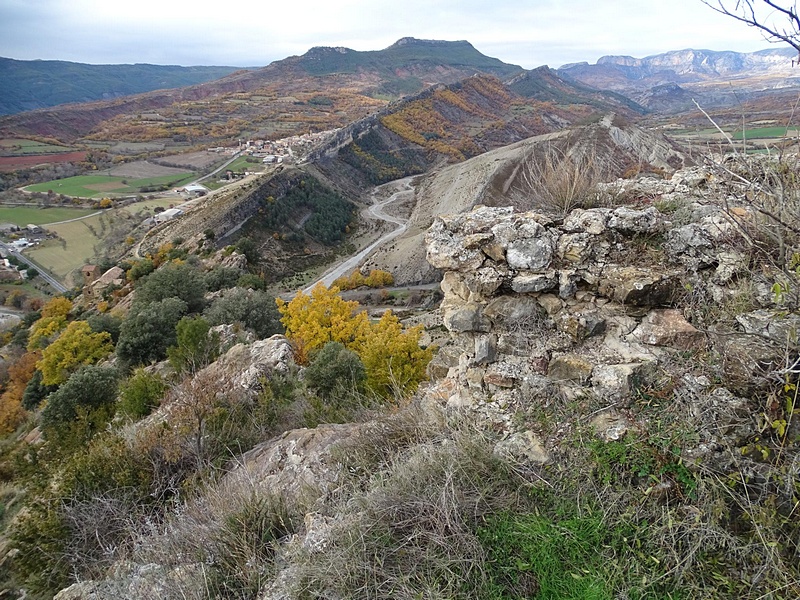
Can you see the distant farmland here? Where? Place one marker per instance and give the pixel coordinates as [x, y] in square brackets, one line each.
[24, 215]
[97, 186]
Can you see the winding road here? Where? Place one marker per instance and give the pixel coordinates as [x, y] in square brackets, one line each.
[374, 211]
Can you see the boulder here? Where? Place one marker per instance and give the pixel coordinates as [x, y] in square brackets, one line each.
[247, 364]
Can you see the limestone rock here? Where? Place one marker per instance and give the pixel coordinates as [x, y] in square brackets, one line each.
[297, 462]
[581, 324]
[669, 328]
[540, 282]
[592, 221]
[775, 325]
[532, 253]
[510, 310]
[246, 365]
[485, 349]
[570, 367]
[502, 374]
[446, 251]
[746, 360]
[633, 221]
[468, 317]
[445, 359]
[524, 447]
[617, 382]
[234, 260]
[635, 286]
[610, 425]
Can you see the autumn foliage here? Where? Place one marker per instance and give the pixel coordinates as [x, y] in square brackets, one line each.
[392, 356]
[19, 374]
[376, 279]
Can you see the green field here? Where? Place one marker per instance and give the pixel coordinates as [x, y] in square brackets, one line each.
[24, 215]
[78, 247]
[22, 147]
[766, 132]
[97, 186]
[245, 163]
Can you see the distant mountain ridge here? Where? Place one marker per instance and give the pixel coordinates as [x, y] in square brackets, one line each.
[667, 82]
[404, 54]
[687, 65]
[329, 87]
[32, 84]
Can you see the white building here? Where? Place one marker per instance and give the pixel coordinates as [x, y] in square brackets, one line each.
[168, 215]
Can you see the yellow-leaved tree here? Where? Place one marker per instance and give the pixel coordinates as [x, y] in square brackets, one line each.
[53, 320]
[311, 321]
[393, 359]
[75, 347]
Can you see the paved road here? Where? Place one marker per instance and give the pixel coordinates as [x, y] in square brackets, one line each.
[374, 211]
[43, 273]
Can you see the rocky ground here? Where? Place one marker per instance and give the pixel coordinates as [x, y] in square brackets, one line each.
[652, 327]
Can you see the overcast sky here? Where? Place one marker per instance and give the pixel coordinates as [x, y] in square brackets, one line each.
[199, 32]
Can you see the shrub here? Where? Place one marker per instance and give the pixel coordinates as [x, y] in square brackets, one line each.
[173, 281]
[253, 309]
[81, 406]
[196, 346]
[141, 393]
[335, 370]
[148, 331]
[221, 278]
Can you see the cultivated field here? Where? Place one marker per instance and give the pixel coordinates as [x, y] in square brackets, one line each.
[79, 240]
[22, 147]
[96, 186]
[149, 205]
[141, 169]
[24, 215]
[13, 163]
[194, 161]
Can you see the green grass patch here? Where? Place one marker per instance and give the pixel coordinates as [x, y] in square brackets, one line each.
[24, 215]
[765, 132]
[530, 554]
[245, 163]
[98, 186]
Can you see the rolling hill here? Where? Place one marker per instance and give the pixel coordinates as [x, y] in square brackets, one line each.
[31, 84]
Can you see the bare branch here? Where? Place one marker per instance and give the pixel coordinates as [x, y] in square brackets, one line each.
[745, 12]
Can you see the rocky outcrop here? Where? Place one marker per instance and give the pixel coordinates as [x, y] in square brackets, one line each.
[537, 306]
[246, 365]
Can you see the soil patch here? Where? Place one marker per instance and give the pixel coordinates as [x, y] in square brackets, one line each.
[14, 163]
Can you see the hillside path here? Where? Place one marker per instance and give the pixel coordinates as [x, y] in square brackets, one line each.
[375, 211]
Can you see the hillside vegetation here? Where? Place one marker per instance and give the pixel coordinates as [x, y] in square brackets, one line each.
[32, 84]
